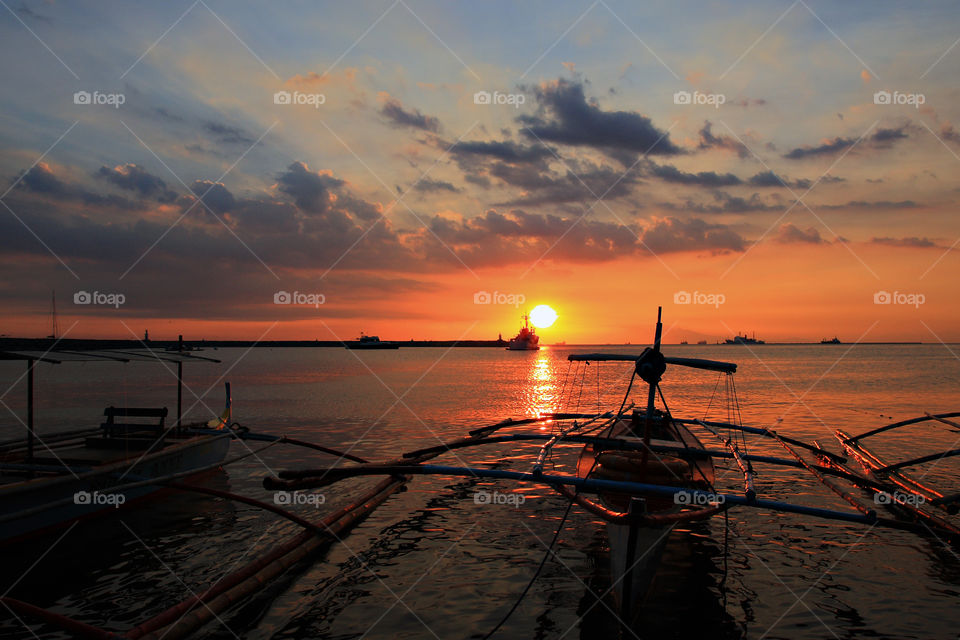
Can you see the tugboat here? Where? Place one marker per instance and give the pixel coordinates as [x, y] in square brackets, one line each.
[526, 339]
[744, 340]
[371, 342]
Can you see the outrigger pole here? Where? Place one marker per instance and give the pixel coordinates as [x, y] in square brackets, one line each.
[295, 480]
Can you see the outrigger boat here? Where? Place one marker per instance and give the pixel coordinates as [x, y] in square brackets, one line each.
[642, 470]
[49, 482]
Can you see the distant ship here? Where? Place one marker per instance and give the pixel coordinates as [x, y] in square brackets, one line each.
[371, 342]
[701, 342]
[744, 340]
[526, 339]
[835, 340]
[683, 342]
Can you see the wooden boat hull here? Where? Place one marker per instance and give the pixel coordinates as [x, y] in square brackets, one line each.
[648, 547]
[65, 493]
[639, 564]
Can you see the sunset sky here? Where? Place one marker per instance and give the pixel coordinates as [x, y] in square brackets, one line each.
[148, 153]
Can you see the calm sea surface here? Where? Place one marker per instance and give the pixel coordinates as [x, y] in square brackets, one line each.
[431, 562]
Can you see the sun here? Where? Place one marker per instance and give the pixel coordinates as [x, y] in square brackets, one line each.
[543, 316]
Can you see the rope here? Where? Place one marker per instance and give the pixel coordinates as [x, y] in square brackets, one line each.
[536, 574]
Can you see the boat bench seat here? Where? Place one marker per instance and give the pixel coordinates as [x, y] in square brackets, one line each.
[113, 428]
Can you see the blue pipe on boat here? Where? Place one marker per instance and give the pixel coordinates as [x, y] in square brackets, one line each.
[595, 485]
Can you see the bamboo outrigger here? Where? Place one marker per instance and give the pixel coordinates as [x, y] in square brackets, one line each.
[642, 470]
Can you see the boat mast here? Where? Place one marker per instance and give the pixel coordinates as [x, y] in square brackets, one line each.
[54, 322]
[653, 382]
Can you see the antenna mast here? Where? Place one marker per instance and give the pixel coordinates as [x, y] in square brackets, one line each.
[54, 322]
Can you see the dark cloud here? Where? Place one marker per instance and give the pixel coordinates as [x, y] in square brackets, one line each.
[522, 237]
[878, 204]
[745, 103]
[426, 185]
[670, 173]
[27, 12]
[883, 138]
[724, 202]
[41, 180]
[708, 140]
[505, 151]
[580, 182]
[278, 232]
[790, 233]
[915, 242]
[393, 110]
[566, 117]
[214, 195]
[309, 189]
[166, 114]
[135, 178]
[770, 179]
[226, 134]
[668, 235]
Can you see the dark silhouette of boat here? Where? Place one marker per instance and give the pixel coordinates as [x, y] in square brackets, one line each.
[835, 340]
[526, 339]
[744, 339]
[371, 342]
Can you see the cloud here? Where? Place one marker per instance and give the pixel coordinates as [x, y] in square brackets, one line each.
[566, 117]
[666, 235]
[877, 204]
[135, 178]
[41, 180]
[214, 195]
[27, 12]
[581, 182]
[708, 140]
[790, 233]
[914, 242]
[883, 138]
[745, 103]
[393, 110]
[725, 203]
[226, 134]
[309, 189]
[670, 173]
[426, 185]
[520, 237]
[770, 179]
[505, 151]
